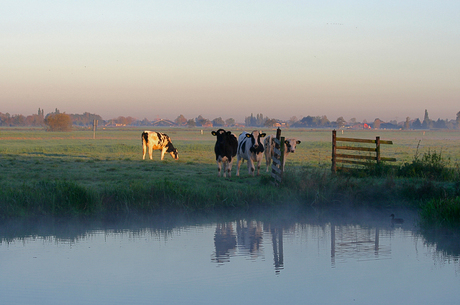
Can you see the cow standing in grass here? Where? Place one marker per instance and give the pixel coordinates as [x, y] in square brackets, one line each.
[153, 140]
[289, 147]
[225, 149]
[250, 148]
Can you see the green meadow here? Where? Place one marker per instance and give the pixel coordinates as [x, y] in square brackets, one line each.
[73, 173]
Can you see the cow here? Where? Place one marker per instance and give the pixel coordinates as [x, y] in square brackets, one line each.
[153, 140]
[225, 149]
[289, 147]
[250, 148]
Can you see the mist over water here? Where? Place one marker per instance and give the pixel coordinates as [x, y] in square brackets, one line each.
[311, 256]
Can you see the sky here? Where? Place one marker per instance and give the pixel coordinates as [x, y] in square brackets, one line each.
[159, 59]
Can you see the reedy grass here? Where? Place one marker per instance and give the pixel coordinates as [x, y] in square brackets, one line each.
[442, 212]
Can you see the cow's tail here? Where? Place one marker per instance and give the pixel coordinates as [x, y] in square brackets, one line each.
[145, 138]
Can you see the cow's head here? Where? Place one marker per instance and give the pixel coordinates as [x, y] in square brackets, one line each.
[173, 151]
[221, 135]
[291, 145]
[256, 144]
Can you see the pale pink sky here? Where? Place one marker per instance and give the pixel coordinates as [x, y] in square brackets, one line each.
[149, 59]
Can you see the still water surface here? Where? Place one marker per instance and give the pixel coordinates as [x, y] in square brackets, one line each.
[271, 259]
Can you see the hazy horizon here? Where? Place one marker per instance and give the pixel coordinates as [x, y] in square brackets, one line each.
[150, 59]
[241, 121]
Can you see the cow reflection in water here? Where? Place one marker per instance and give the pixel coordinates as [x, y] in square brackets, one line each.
[247, 241]
[225, 242]
[250, 235]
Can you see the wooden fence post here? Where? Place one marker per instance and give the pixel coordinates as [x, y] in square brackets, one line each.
[278, 157]
[377, 149]
[278, 134]
[334, 151]
[282, 156]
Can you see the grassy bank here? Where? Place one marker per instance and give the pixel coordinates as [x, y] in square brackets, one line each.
[73, 174]
[304, 186]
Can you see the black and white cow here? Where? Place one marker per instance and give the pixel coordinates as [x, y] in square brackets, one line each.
[250, 148]
[225, 149]
[289, 147]
[153, 140]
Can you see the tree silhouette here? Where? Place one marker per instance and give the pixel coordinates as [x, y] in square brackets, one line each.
[218, 122]
[191, 123]
[427, 123]
[230, 122]
[180, 120]
[407, 123]
[340, 122]
[417, 124]
[58, 122]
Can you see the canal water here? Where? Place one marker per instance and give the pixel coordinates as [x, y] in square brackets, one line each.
[310, 257]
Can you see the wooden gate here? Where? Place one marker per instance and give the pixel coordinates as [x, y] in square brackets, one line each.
[354, 158]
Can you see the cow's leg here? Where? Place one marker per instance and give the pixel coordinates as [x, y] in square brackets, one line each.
[144, 151]
[163, 150]
[227, 161]
[150, 152]
[225, 165]
[268, 160]
[258, 168]
[250, 167]
[229, 168]
[219, 166]
[238, 164]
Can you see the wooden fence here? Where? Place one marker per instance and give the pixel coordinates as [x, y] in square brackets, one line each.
[355, 159]
[278, 158]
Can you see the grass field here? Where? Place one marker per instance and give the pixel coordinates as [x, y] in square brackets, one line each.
[72, 173]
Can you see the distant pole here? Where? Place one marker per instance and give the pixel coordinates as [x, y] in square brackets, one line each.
[94, 128]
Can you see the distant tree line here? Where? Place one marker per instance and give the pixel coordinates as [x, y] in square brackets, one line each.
[57, 121]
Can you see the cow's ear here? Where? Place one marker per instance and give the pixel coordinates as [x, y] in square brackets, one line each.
[248, 135]
[298, 142]
[229, 133]
[263, 135]
[213, 133]
[286, 142]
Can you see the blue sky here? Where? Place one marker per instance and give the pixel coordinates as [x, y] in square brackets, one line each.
[149, 59]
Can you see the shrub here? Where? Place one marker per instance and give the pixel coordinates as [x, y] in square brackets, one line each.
[58, 122]
[431, 165]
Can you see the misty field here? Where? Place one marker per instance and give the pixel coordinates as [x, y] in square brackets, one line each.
[69, 173]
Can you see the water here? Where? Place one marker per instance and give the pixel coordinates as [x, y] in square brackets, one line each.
[309, 258]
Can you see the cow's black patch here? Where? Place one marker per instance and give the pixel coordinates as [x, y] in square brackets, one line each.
[170, 147]
[259, 149]
[288, 145]
[226, 144]
[243, 146]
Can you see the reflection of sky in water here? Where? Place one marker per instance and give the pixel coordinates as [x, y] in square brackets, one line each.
[187, 265]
